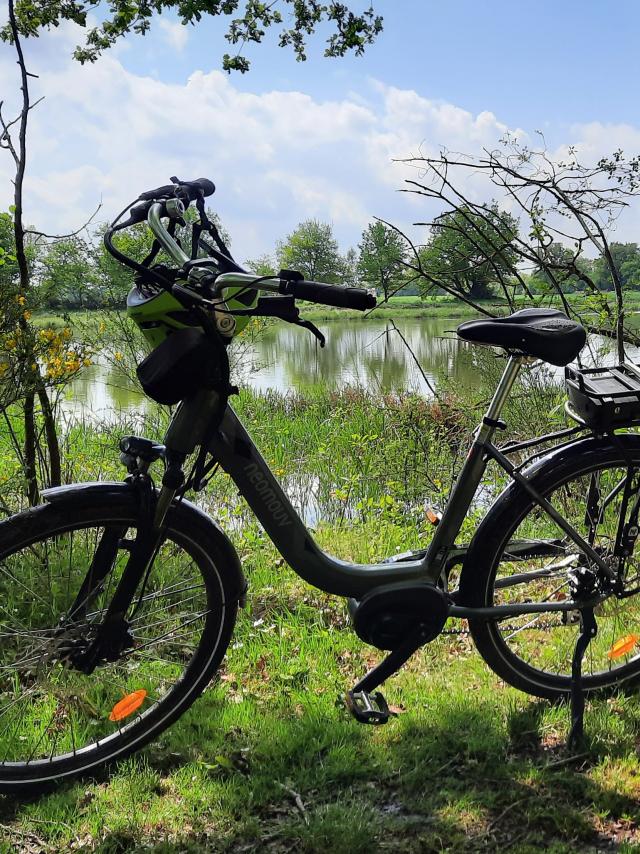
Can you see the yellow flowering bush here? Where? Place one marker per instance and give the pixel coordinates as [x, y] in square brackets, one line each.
[30, 355]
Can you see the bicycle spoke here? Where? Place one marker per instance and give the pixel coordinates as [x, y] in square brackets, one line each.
[47, 705]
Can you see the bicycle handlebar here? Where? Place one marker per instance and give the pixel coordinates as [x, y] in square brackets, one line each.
[336, 295]
[154, 204]
[192, 190]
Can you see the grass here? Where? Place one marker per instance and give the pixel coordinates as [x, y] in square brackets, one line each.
[268, 760]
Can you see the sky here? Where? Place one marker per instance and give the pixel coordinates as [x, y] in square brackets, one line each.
[289, 141]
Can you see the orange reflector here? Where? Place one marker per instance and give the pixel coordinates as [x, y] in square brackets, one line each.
[127, 705]
[432, 516]
[623, 646]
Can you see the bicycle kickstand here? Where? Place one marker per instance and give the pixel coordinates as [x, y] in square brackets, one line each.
[588, 630]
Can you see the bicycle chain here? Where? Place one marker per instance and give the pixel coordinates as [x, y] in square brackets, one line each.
[508, 628]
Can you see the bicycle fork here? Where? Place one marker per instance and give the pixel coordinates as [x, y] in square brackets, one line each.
[114, 636]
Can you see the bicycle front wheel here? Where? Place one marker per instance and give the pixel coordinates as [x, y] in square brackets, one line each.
[57, 721]
[533, 652]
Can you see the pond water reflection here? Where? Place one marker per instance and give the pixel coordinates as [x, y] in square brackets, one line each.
[371, 354]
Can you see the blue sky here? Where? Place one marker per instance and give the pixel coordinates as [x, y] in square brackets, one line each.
[533, 64]
[291, 140]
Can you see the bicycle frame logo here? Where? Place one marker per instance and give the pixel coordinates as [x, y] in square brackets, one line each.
[272, 502]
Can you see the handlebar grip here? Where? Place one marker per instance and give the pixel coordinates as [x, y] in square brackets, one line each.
[337, 295]
[192, 189]
[207, 187]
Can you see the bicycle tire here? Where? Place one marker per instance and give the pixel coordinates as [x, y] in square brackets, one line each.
[191, 542]
[533, 653]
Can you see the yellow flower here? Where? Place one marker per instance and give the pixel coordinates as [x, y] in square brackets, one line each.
[118, 356]
[26, 315]
[20, 300]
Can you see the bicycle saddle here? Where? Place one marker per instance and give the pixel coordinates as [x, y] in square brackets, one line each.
[545, 333]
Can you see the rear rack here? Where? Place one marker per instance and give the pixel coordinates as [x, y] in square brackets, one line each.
[604, 398]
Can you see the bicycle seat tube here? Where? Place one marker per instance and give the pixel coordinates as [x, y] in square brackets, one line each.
[473, 469]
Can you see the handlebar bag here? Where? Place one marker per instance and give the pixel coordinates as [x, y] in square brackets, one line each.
[178, 367]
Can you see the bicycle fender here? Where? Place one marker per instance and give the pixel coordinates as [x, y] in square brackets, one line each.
[591, 446]
[59, 496]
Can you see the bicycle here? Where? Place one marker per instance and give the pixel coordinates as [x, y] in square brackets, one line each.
[118, 600]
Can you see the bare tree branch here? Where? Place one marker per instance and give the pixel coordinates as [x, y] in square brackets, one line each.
[562, 203]
[69, 234]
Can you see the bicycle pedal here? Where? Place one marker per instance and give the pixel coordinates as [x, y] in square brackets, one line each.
[368, 708]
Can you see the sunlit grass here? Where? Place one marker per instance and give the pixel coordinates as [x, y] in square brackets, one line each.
[269, 760]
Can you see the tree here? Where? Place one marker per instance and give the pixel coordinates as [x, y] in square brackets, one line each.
[468, 252]
[67, 275]
[264, 265]
[559, 258]
[312, 250]
[351, 274]
[626, 260]
[114, 280]
[348, 31]
[8, 264]
[382, 251]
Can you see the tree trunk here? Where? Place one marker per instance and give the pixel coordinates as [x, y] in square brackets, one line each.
[36, 384]
[51, 435]
[29, 464]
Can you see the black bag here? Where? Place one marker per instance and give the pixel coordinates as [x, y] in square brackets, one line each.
[184, 363]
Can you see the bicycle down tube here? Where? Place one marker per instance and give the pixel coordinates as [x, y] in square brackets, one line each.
[233, 448]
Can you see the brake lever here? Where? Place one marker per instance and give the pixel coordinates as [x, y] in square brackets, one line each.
[284, 308]
[313, 329]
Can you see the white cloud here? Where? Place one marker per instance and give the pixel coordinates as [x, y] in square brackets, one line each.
[175, 33]
[277, 158]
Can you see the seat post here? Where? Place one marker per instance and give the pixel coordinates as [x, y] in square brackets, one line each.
[472, 471]
[500, 396]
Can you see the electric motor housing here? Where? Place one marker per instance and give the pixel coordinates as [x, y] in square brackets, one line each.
[386, 615]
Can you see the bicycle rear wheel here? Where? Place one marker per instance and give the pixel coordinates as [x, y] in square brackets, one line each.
[533, 652]
[56, 721]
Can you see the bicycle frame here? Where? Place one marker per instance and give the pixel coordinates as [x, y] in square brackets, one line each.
[232, 447]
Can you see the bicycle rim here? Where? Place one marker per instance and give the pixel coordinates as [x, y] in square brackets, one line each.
[534, 651]
[53, 717]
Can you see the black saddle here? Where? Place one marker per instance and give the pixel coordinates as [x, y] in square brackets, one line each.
[541, 332]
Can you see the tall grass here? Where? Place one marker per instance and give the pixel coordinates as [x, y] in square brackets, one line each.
[267, 761]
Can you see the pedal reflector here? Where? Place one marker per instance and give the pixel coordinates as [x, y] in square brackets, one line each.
[623, 646]
[127, 705]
